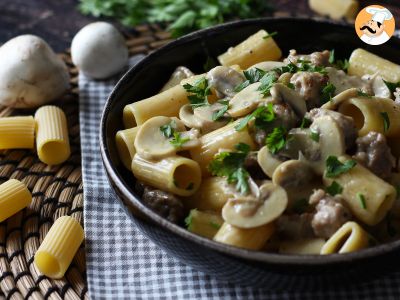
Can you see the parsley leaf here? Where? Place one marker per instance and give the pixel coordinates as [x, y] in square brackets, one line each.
[392, 85]
[277, 139]
[263, 114]
[334, 167]
[305, 123]
[300, 206]
[360, 93]
[177, 140]
[200, 91]
[214, 225]
[230, 165]
[386, 121]
[252, 75]
[270, 35]
[340, 64]
[334, 189]
[361, 198]
[267, 82]
[168, 130]
[332, 56]
[220, 113]
[314, 136]
[189, 219]
[327, 92]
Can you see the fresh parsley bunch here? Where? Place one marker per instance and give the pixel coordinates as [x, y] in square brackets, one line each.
[183, 16]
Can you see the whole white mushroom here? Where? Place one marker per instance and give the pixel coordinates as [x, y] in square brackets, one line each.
[99, 50]
[31, 74]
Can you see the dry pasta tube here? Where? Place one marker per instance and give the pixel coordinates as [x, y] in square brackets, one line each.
[223, 138]
[335, 9]
[202, 223]
[252, 238]
[52, 139]
[14, 196]
[348, 238]
[305, 246]
[59, 247]
[254, 49]
[17, 133]
[363, 62]
[167, 103]
[368, 115]
[125, 140]
[368, 197]
[176, 174]
[211, 195]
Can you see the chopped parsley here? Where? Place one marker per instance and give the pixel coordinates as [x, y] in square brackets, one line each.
[334, 167]
[360, 93]
[386, 121]
[220, 113]
[340, 64]
[290, 85]
[305, 123]
[200, 91]
[168, 130]
[252, 76]
[177, 140]
[306, 66]
[231, 166]
[267, 81]
[277, 139]
[392, 85]
[334, 189]
[263, 115]
[314, 136]
[361, 198]
[300, 206]
[189, 219]
[214, 225]
[270, 35]
[327, 92]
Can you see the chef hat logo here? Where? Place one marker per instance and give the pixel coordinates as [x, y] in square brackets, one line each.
[374, 25]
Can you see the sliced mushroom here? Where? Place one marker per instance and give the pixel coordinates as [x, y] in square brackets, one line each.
[331, 141]
[201, 117]
[179, 74]
[285, 78]
[267, 65]
[301, 142]
[293, 174]
[246, 101]
[282, 93]
[268, 161]
[150, 143]
[339, 98]
[342, 81]
[379, 87]
[224, 80]
[251, 211]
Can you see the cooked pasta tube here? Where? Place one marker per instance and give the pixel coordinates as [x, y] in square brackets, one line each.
[368, 197]
[363, 62]
[59, 247]
[52, 139]
[14, 196]
[258, 47]
[212, 195]
[223, 138]
[348, 238]
[204, 223]
[176, 174]
[335, 9]
[370, 115]
[167, 103]
[304, 246]
[252, 238]
[125, 140]
[17, 132]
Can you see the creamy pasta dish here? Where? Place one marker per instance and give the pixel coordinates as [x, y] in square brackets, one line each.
[295, 155]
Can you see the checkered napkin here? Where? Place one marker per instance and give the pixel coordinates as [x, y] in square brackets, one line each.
[124, 264]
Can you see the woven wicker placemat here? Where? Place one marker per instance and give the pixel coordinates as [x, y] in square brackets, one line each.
[56, 191]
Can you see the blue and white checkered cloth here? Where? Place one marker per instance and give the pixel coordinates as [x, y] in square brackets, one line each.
[124, 264]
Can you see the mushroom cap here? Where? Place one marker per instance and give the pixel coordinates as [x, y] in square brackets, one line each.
[31, 74]
[339, 98]
[251, 211]
[224, 80]
[283, 93]
[267, 161]
[267, 65]
[246, 100]
[99, 50]
[293, 173]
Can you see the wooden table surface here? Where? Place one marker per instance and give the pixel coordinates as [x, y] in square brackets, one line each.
[57, 21]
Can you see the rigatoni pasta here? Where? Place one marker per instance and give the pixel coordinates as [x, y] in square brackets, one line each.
[59, 247]
[14, 196]
[125, 140]
[52, 139]
[17, 132]
[335, 9]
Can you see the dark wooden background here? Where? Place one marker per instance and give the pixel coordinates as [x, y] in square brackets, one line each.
[57, 21]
